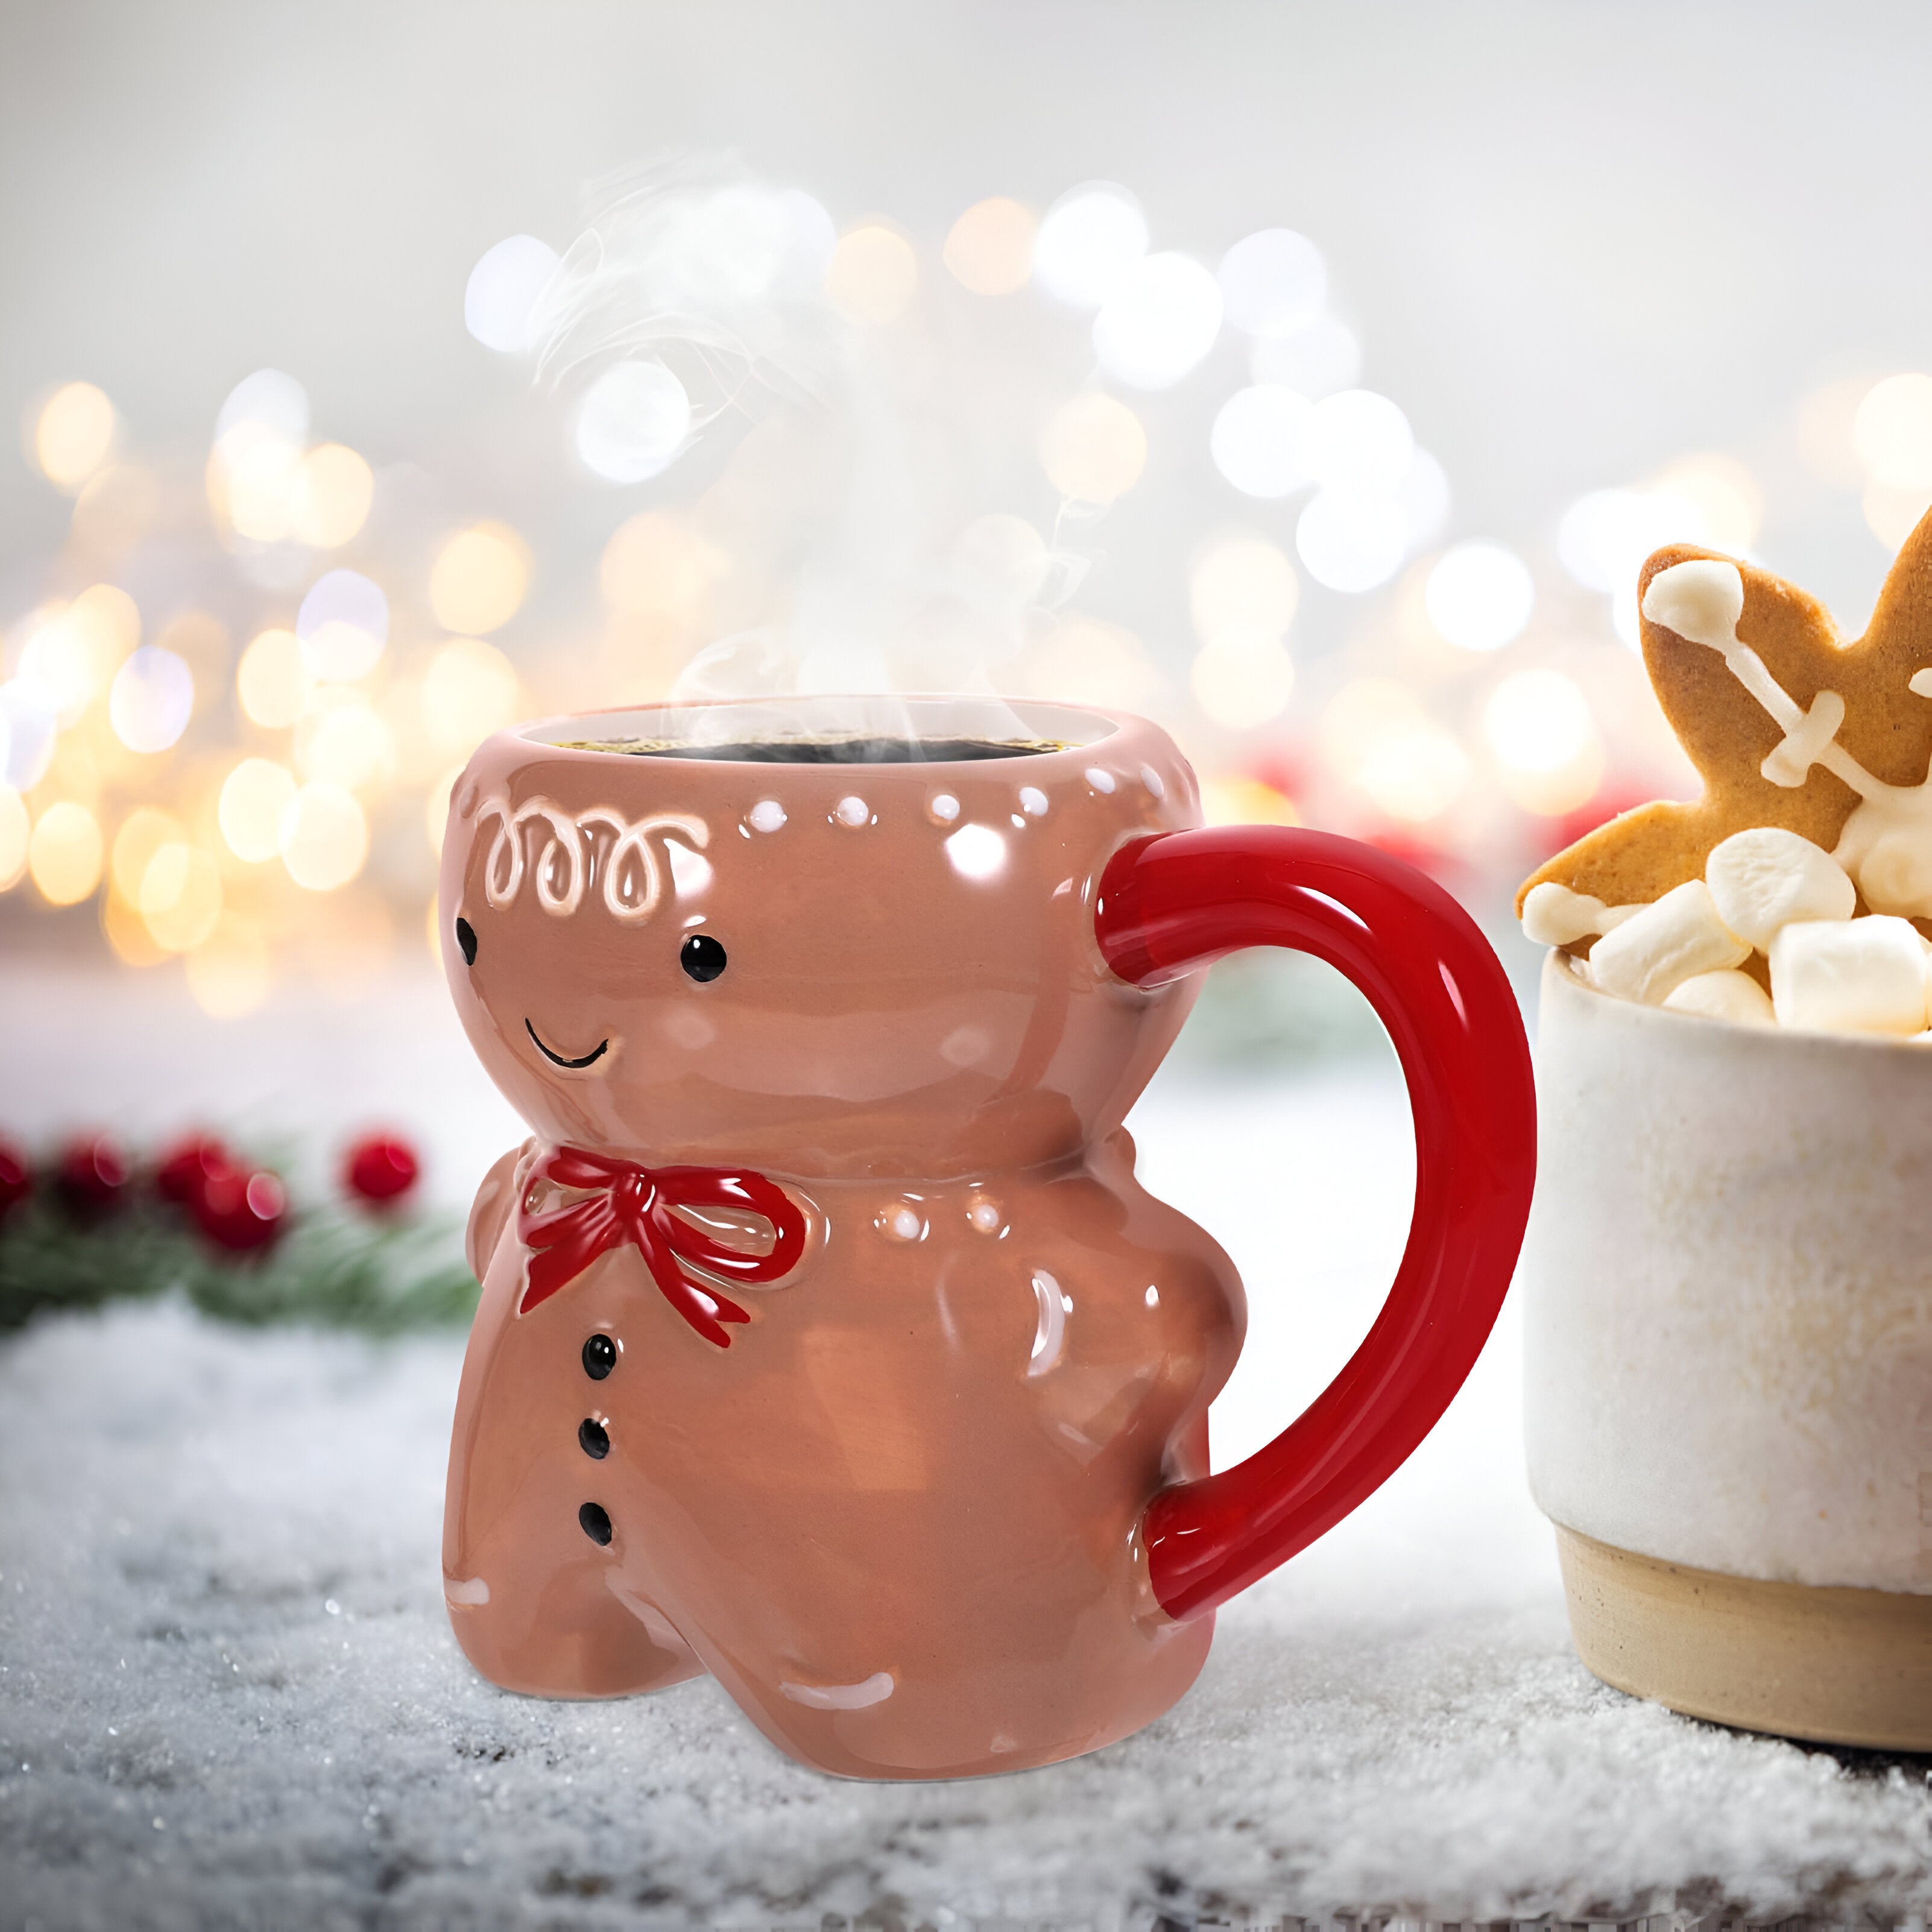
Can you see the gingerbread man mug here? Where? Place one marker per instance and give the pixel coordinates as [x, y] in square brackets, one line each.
[827, 1342]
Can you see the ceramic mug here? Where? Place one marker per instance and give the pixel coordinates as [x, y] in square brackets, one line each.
[1728, 1355]
[827, 1343]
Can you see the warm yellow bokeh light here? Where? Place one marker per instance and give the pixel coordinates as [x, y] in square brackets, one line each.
[180, 896]
[16, 828]
[433, 930]
[228, 974]
[1893, 514]
[1726, 503]
[271, 681]
[255, 484]
[1892, 432]
[255, 797]
[1242, 678]
[1094, 448]
[1242, 584]
[324, 837]
[873, 275]
[436, 808]
[1087, 660]
[479, 579]
[128, 931]
[469, 690]
[344, 742]
[333, 494]
[1549, 758]
[143, 833]
[64, 853]
[1240, 801]
[1415, 774]
[990, 249]
[71, 652]
[656, 566]
[73, 434]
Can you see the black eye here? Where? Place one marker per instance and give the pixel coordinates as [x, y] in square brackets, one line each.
[703, 958]
[465, 937]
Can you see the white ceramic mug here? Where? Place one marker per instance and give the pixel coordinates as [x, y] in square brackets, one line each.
[1728, 1355]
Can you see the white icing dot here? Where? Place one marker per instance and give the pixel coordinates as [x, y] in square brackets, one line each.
[767, 815]
[983, 1214]
[1101, 781]
[901, 1223]
[1033, 800]
[851, 811]
[944, 807]
[1154, 782]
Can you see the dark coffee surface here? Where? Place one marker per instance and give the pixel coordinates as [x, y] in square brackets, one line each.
[826, 751]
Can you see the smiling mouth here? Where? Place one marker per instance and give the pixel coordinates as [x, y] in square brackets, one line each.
[596, 1053]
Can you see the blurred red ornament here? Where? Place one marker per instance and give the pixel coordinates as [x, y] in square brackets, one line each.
[189, 1166]
[16, 1179]
[240, 1210]
[92, 1172]
[381, 1168]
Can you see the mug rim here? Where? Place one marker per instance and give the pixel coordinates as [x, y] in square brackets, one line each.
[1089, 727]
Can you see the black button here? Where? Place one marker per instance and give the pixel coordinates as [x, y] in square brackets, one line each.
[593, 1439]
[702, 957]
[596, 1521]
[465, 937]
[600, 1357]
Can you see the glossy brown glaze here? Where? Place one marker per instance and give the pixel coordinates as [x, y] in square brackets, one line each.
[894, 1515]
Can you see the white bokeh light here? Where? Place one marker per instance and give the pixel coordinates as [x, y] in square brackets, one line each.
[343, 625]
[1273, 283]
[1423, 495]
[269, 402]
[500, 298]
[1359, 441]
[1538, 721]
[1480, 595]
[1351, 541]
[1259, 441]
[1318, 359]
[633, 420]
[1088, 240]
[27, 730]
[1158, 321]
[151, 700]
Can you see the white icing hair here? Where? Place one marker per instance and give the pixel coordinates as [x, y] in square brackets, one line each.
[572, 853]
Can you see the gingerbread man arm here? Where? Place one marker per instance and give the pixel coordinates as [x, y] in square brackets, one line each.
[495, 1199]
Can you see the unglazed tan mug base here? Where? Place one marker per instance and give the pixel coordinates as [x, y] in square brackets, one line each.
[1802, 1661]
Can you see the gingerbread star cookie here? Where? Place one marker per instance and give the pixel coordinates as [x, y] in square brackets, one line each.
[1789, 728]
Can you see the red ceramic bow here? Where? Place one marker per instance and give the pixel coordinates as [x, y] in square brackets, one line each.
[636, 1203]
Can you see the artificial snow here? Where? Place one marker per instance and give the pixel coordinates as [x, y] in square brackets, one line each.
[230, 1697]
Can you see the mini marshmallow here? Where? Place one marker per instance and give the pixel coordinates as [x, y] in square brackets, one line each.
[1661, 945]
[1851, 975]
[1767, 878]
[1727, 995]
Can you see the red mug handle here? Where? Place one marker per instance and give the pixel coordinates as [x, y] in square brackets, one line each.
[1180, 900]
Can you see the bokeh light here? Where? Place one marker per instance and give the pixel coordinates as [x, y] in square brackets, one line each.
[342, 627]
[16, 828]
[1538, 723]
[63, 853]
[1273, 283]
[1375, 734]
[1241, 680]
[1892, 432]
[342, 741]
[28, 733]
[73, 434]
[180, 897]
[1094, 448]
[334, 492]
[272, 682]
[469, 690]
[324, 837]
[633, 422]
[270, 402]
[874, 275]
[499, 300]
[989, 249]
[1479, 596]
[151, 700]
[1259, 441]
[254, 483]
[143, 833]
[1892, 514]
[1423, 495]
[228, 974]
[1359, 441]
[70, 654]
[1351, 541]
[479, 578]
[1159, 319]
[1320, 357]
[656, 567]
[1242, 584]
[1088, 241]
[255, 799]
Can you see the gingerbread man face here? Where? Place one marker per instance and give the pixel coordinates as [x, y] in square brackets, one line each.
[1788, 725]
[813, 967]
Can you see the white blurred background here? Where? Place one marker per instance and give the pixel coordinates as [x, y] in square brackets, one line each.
[1311, 377]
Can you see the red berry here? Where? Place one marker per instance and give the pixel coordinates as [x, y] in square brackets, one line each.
[240, 1210]
[92, 1172]
[187, 1168]
[17, 1180]
[381, 1168]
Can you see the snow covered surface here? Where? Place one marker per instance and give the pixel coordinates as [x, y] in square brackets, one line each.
[229, 1696]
